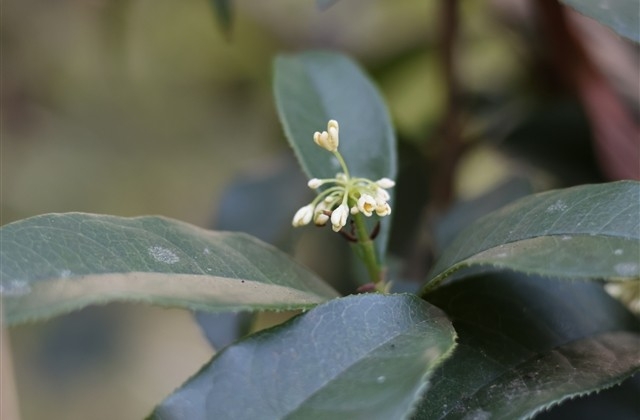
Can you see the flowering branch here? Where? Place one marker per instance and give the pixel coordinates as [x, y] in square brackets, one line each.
[344, 196]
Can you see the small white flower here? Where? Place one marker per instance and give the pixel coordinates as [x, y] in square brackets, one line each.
[345, 195]
[366, 204]
[320, 219]
[382, 196]
[314, 183]
[385, 183]
[339, 217]
[303, 216]
[383, 209]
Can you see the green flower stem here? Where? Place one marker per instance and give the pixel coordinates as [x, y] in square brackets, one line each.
[368, 252]
[342, 163]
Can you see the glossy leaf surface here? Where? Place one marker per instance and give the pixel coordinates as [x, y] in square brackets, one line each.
[57, 263]
[360, 357]
[589, 232]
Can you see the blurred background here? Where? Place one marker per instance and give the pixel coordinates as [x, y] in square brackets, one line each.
[132, 107]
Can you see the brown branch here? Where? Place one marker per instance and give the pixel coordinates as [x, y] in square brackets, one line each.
[616, 134]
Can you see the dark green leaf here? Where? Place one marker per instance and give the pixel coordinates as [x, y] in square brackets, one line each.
[590, 232]
[359, 357]
[621, 15]
[57, 263]
[526, 343]
[314, 87]
[224, 13]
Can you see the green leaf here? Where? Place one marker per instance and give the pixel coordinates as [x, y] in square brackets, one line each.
[314, 87]
[224, 13]
[57, 263]
[621, 15]
[527, 343]
[365, 356]
[588, 232]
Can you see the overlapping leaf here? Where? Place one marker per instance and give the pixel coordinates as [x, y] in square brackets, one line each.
[527, 343]
[56, 263]
[359, 357]
[589, 231]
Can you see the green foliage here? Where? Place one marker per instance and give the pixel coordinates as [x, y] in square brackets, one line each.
[621, 15]
[376, 352]
[57, 263]
[527, 343]
[589, 231]
[513, 319]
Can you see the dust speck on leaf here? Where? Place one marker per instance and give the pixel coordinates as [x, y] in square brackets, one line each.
[206, 251]
[626, 269]
[65, 274]
[558, 206]
[618, 252]
[381, 379]
[14, 288]
[164, 255]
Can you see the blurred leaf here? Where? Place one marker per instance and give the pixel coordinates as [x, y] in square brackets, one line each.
[56, 263]
[325, 4]
[222, 329]
[621, 15]
[589, 231]
[527, 343]
[314, 87]
[224, 13]
[365, 356]
[261, 203]
[555, 136]
[462, 214]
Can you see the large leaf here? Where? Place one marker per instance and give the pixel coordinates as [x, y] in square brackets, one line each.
[314, 87]
[526, 344]
[620, 15]
[56, 263]
[590, 232]
[359, 357]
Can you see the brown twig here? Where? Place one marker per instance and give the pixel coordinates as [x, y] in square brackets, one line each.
[616, 134]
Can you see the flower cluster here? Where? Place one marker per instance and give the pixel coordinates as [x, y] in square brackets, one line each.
[344, 195]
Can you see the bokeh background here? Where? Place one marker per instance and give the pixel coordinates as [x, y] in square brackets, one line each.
[132, 107]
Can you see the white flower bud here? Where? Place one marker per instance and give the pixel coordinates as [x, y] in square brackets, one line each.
[303, 216]
[339, 217]
[354, 210]
[366, 204]
[314, 183]
[334, 139]
[328, 139]
[386, 183]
